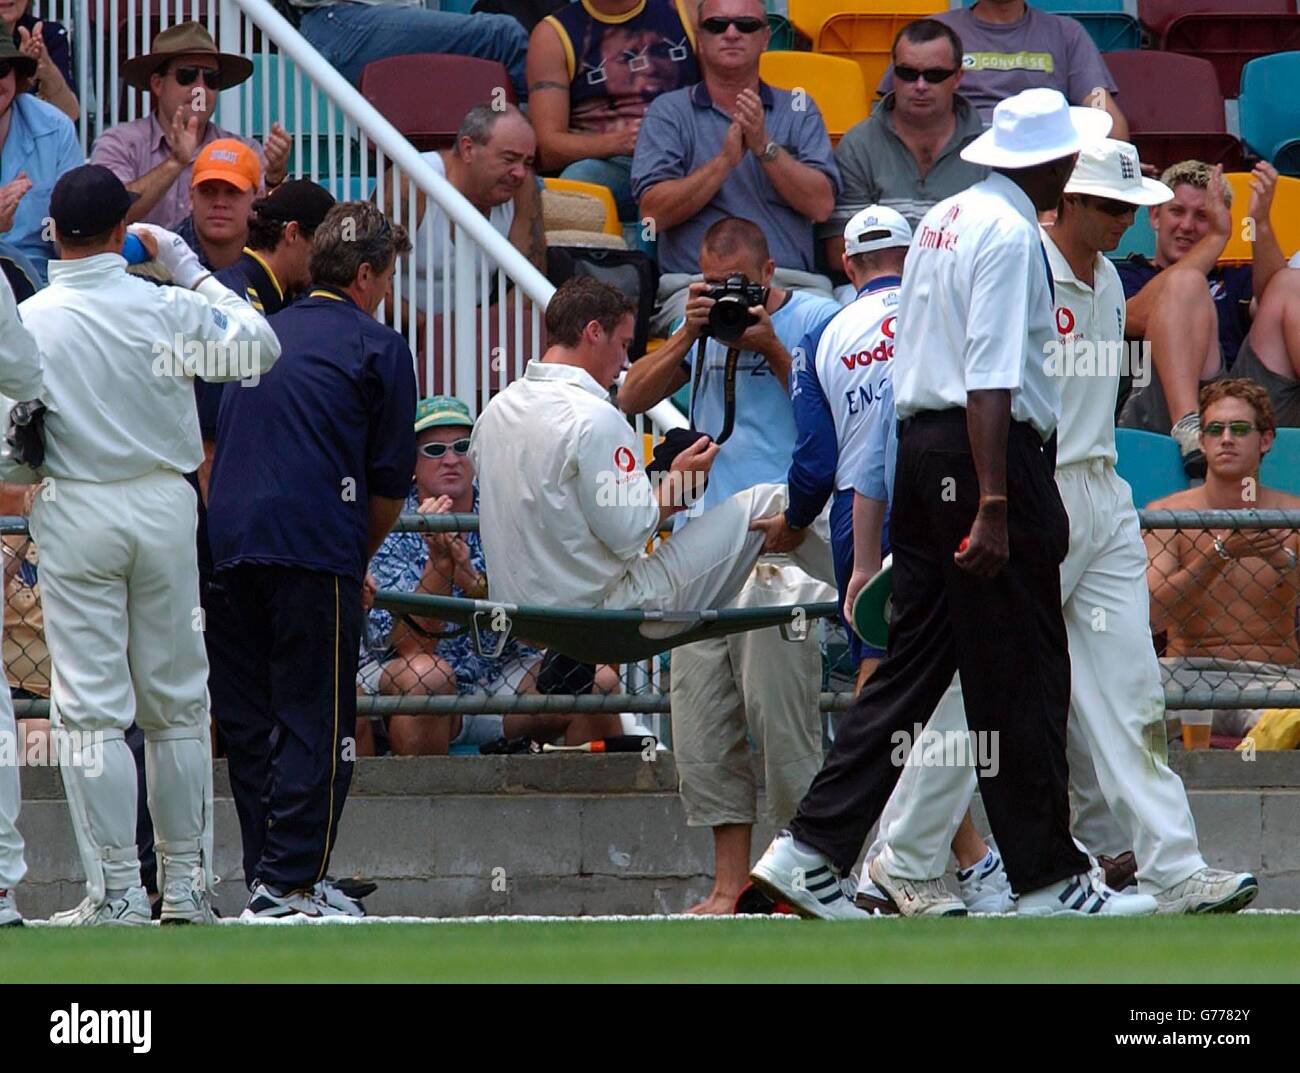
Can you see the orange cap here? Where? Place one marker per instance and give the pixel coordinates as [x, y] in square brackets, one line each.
[229, 160]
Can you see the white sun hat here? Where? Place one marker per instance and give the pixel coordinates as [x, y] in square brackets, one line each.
[1112, 169]
[1035, 126]
[877, 227]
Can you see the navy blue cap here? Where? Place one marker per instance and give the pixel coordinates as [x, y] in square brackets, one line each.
[89, 200]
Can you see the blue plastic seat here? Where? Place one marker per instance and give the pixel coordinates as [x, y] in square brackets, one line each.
[1150, 463]
[1110, 31]
[1269, 117]
[1140, 238]
[1071, 7]
[1281, 466]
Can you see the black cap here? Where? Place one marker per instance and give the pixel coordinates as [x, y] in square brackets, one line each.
[88, 201]
[299, 201]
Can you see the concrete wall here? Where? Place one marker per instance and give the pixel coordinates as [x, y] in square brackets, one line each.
[578, 834]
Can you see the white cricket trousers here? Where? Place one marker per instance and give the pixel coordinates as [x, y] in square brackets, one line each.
[12, 865]
[120, 589]
[1123, 793]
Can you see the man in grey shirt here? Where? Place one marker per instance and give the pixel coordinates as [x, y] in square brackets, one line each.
[733, 146]
[907, 153]
[1011, 46]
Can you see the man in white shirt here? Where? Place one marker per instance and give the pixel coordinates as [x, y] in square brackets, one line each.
[563, 499]
[1122, 789]
[20, 378]
[978, 534]
[115, 522]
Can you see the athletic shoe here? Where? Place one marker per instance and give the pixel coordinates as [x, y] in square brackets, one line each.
[1209, 890]
[1084, 895]
[915, 897]
[267, 903]
[9, 915]
[871, 899]
[805, 880]
[132, 908]
[185, 901]
[332, 894]
[984, 887]
[1121, 871]
[1187, 434]
[353, 887]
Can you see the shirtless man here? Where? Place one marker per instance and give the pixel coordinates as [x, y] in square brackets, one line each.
[1227, 598]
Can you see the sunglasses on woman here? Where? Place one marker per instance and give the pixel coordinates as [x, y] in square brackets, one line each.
[933, 75]
[186, 76]
[719, 24]
[437, 450]
[1239, 429]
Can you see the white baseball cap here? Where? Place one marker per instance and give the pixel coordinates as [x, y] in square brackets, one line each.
[876, 228]
[1035, 126]
[1112, 169]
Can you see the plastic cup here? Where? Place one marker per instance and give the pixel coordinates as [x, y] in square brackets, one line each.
[1196, 729]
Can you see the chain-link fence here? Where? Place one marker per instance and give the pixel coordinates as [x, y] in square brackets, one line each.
[1225, 594]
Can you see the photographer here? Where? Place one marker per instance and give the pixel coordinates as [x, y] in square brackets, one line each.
[724, 689]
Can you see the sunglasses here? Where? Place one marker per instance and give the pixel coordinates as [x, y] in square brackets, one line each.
[437, 450]
[5, 67]
[1239, 429]
[186, 76]
[1109, 205]
[933, 75]
[719, 24]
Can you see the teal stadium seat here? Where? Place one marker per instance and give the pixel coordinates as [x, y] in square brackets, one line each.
[1140, 238]
[1281, 466]
[782, 39]
[1071, 7]
[1150, 463]
[1109, 26]
[1266, 109]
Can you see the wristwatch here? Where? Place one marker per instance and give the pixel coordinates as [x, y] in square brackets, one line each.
[769, 152]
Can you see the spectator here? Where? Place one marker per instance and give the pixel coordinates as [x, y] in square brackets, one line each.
[593, 70]
[38, 143]
[731, 145]
[757, 684]
[1227, 599]
[1011, 46]
[1270, 354]
[154, 155]
[327, 441]
[352, 34]
[906, 155]
[45, 41]
[1194, 330]
[415, 661]
[491, 164]
[227, 176]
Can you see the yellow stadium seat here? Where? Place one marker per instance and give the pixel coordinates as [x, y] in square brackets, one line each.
[807, 16]
[834, 84]
[1285, 217]
[864, 39]
[600, 193]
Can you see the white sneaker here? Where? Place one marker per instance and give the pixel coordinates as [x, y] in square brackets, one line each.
[916, 897]
[805, 880]
[329, 892]
[1084, 895]
[186, 901]
[984, 888]
[264, 902]
[132, 908]
[9, 915]
[1209, 890]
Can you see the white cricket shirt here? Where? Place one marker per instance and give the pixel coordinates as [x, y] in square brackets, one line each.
[20, 361]
[975, 311]
[564, 503]
[1090, 357]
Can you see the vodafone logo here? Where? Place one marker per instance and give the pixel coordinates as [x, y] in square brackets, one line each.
[882, 351]
[887, 329]
[1064, 321]
[624, 461]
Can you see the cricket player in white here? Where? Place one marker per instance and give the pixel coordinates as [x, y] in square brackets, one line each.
[115, 522]
[1122, 790]
[20, 378]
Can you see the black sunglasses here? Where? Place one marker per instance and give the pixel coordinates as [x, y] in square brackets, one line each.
[719, 24]
[437, 450]
[933, 75]
[186, 76]
[1109, 205]
[5, 67]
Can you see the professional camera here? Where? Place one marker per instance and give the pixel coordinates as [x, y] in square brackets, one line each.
[730, 316]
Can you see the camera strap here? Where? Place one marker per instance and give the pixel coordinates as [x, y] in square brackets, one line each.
[728, 388]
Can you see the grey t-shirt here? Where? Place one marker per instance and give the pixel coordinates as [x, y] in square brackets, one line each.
[876, 168]
[1038, 50]
[683, 130]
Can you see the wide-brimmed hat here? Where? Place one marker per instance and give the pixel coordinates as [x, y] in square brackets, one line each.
[184, 39]
[1035, 126]
[1112, 169]
[23, 63]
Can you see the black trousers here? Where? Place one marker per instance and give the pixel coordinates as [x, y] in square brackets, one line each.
[1005, 635]
[303, 632]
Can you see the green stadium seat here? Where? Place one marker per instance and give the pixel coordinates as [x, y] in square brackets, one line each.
[782, 39]
[1150, 463]
[1281, 466]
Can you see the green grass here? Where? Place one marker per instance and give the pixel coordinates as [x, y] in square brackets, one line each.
[1174, 949]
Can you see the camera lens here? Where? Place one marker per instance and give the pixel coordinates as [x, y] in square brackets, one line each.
[729, 318]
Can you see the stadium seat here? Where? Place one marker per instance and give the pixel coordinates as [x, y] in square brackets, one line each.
[1266, 109]
[1285, 217]
[865, 39]
[1158, 15]
[1110, 31]
[1150, 463]
[782, 38]
[1139, 238]
[1281, 466]
[1166, 127]
[1230, 41]
[1073, 7]
[836, 85]
[809, 15]
[398, 88]
[600, 193]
